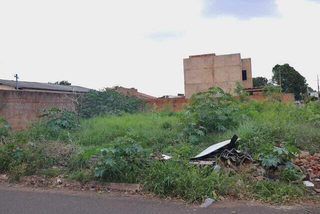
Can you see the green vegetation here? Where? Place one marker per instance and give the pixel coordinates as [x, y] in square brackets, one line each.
[120, 143]
[4, 128]
[291, 80]
[107, 101]
[260, 81]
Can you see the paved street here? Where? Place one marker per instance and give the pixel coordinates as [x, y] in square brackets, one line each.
[28, 202]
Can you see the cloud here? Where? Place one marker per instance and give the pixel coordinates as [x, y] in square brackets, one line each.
[165, 35]
[242, 9]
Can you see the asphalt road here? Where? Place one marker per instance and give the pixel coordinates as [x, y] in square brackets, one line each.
[28, 202]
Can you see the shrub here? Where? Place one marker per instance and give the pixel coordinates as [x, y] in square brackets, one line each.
[123, 161]
[272, 156]
[24, 159]
[96, 103]
[57, 119]
[241, 93]
[209, 111]
[4, 128]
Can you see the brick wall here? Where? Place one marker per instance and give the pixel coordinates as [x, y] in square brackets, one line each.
[286, 98]
[22, 108]
[175, 104]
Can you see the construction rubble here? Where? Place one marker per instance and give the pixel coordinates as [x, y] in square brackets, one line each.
[224, 155]
[310, 167]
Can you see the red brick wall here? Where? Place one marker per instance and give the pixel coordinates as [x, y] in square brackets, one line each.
[161, 103]
[177, 103]
[22, 108]
[286, 98]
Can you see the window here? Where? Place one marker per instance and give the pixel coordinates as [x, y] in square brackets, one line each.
[244, 75]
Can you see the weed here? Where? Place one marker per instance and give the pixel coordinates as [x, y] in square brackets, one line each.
[123, 161]
[277, 191]
[193, 184]
[4, 128]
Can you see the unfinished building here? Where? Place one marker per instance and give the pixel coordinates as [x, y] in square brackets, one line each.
[210, 70]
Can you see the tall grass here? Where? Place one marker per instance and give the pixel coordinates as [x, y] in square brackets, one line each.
[149, 129]
[261, 122]
[267, 122]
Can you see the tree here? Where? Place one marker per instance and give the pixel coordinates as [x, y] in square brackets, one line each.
[291, 80]
[63, 82]
[260, 81]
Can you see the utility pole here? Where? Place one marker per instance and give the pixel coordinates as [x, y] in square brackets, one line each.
[280, 81]
[318, 87]
[16, 76]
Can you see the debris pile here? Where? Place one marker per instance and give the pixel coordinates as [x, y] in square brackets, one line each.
[310, 167]
[223, 153]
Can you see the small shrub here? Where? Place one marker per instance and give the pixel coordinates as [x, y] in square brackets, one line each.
[242, 95]
[18, 160]
[4, 128]
[273, 156]
[54, 124]
[272, 92]
[290, 174]
[106, 102]
[209, 111]
[57, 119]
[123, 161]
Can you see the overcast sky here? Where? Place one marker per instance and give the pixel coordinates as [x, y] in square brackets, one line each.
[142, 43]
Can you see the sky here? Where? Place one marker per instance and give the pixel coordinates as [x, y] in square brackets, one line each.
[142, 43]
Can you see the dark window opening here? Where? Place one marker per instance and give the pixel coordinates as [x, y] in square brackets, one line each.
[244, 75]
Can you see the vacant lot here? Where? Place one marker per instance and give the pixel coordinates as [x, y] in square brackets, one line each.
[127, 146]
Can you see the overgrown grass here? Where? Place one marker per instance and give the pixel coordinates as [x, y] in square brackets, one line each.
[156, 133]
[268, 122]
[149, 129]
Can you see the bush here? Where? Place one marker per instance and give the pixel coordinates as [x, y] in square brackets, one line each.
[4, 128]
[123, 161]
[21, 159]
[208, 112]
[105, 102]
[54, 124]
[272, 156]
[57, 119]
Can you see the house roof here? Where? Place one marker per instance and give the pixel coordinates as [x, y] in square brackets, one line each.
[132, 91]
[44, 86]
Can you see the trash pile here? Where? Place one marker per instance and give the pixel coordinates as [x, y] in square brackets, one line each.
[225, 155]
[310, 167]
[222, 154]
